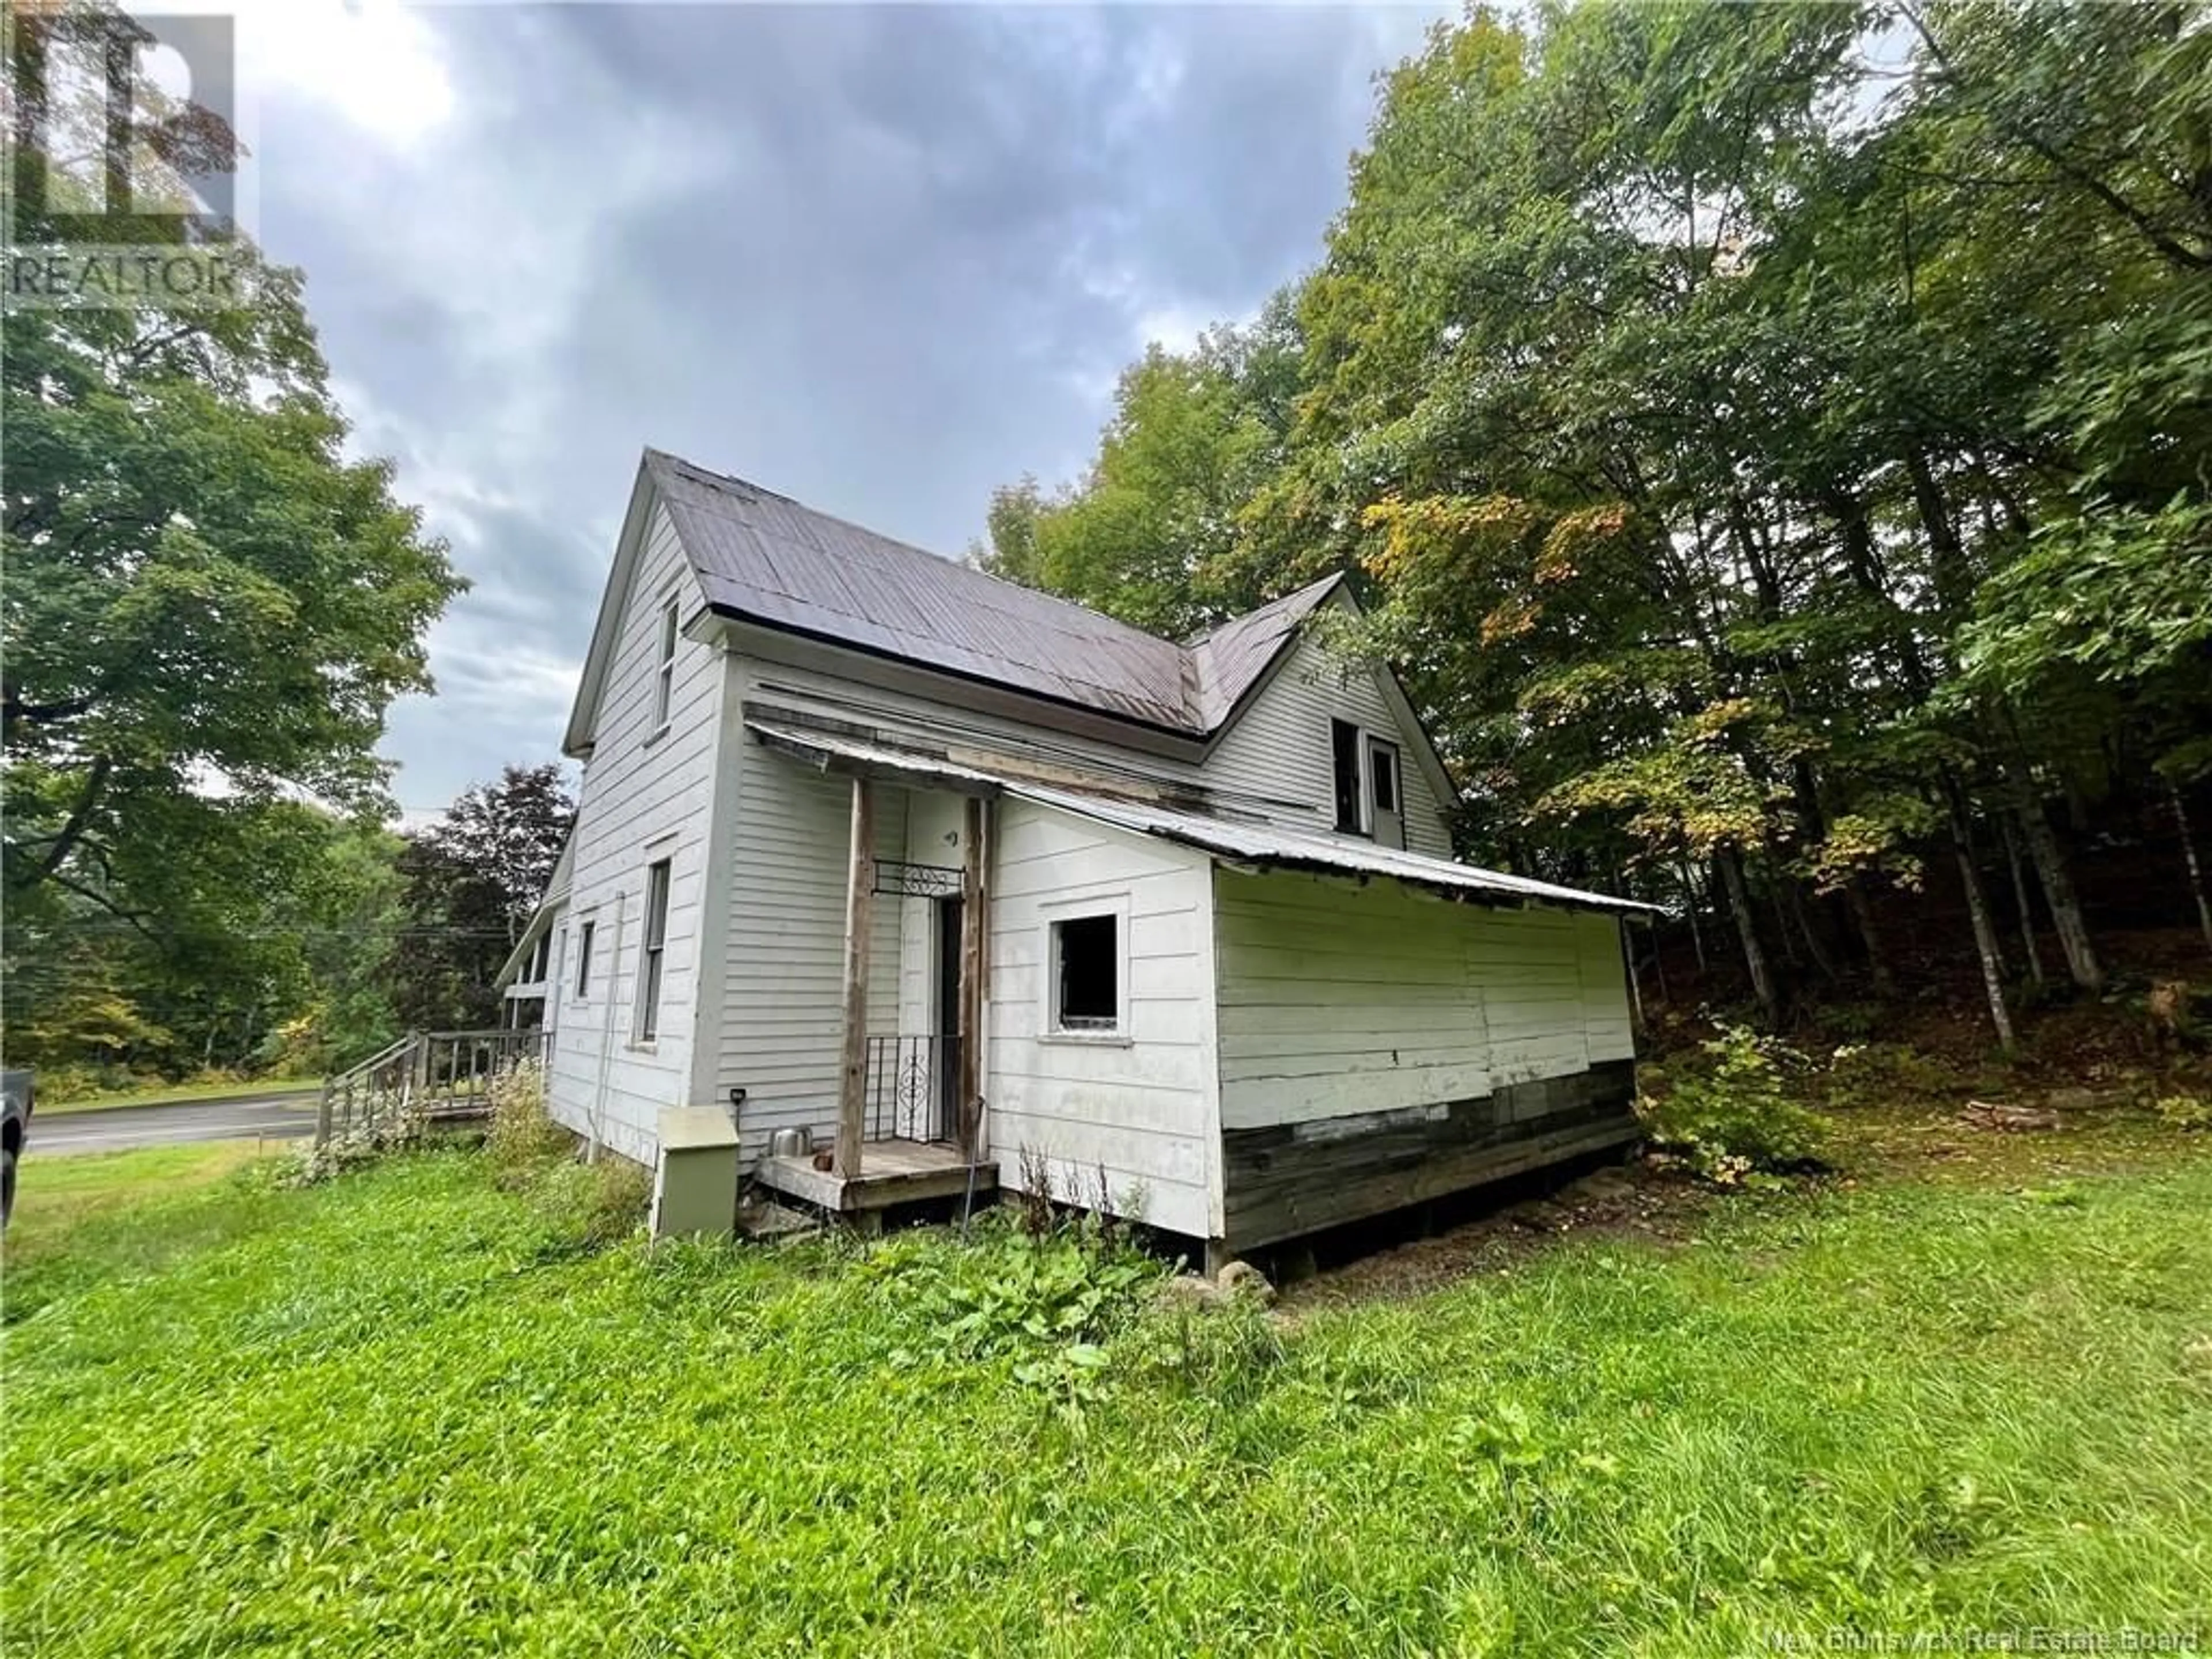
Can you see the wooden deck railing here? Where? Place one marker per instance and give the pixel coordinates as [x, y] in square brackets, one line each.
[423, 1077]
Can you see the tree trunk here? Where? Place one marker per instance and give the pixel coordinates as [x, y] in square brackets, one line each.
[2058, 894]
[1986, 927]
[1862, 908]
[1697, 932]
[2189, 860]
[1635, 979]
[1763, 983]
[1794, 906]
[1785, 935]
[2020, 900]
[1946, 553]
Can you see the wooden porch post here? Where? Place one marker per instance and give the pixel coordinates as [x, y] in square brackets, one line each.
[972, 924]
[860, 885]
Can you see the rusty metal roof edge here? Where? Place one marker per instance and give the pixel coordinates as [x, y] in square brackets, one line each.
[1266, 844]
[1459, 880]
[735, 613]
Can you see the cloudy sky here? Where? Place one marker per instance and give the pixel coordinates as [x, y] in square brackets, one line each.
[881, 259]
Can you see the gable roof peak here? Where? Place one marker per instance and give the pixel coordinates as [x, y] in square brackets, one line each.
[766, 559]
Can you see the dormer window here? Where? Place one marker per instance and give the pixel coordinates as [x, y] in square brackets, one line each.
[1370, 788]
[1351, 793]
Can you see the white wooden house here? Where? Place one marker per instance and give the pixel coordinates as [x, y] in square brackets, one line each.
[952, 876]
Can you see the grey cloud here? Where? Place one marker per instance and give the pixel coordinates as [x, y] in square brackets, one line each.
[880, 259]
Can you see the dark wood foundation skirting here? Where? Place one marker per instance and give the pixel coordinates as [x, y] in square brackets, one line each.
[1289, 1179]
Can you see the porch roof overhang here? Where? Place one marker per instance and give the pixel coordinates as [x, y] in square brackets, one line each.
[1244, 844]
[541, 919]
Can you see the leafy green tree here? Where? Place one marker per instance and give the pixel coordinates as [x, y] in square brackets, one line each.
[209, 606]
[1148, 535]
[470, 883]
[1774, 439]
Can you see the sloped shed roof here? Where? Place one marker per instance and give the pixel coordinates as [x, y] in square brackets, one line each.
[1264, 845]
[764, 558]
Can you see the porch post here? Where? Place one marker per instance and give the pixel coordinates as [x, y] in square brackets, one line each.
[973, 923]
[861, 884]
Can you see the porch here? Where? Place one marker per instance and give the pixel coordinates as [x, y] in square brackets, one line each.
[908, 1125]
[910, 1140]
[892, 1172]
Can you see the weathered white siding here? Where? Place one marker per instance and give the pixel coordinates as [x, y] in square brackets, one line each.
[645, 796]
[1280, 747]
[1140, 1107]
[1275, 763]
[779, 1024]
[1606, 1020]
[1337, 1000]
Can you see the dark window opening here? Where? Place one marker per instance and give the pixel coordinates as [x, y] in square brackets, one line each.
[1344, 743]
[584, 959]
[1090, 959]
[1384, 761]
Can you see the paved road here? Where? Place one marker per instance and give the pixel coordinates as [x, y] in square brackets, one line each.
[275, 1116]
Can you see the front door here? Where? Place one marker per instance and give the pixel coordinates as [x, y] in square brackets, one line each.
[948, 1018]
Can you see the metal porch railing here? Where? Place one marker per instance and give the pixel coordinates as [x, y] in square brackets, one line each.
[912, 1081]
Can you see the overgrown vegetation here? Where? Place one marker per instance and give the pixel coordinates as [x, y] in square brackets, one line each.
[523, 1136]
[1048, 1301]
[1738, 1115]
[417, 1420]
[603, 1200]
[596, 1201]
[1775, 441]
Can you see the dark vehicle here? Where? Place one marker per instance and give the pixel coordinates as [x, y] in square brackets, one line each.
[15, 1088]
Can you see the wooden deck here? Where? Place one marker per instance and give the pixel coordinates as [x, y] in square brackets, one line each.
[891, 1172]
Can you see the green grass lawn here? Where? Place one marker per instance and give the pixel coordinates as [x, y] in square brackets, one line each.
[402, 1413]
[178, 1094]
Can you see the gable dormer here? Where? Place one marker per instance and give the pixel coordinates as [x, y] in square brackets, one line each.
[1251, 712]
[1335, 746]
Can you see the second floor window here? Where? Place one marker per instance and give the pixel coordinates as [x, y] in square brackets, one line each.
[1344, 747]
[1369, 785]
[664, 683]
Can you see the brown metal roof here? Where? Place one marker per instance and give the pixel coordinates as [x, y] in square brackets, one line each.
[764, 558]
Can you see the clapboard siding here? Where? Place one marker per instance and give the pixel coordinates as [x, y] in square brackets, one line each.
[787, 858]
[640, 801]
[1609, 1025]
[1140, 1110]
[1275, 763]
[1339, 1001]
[1280, 746]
